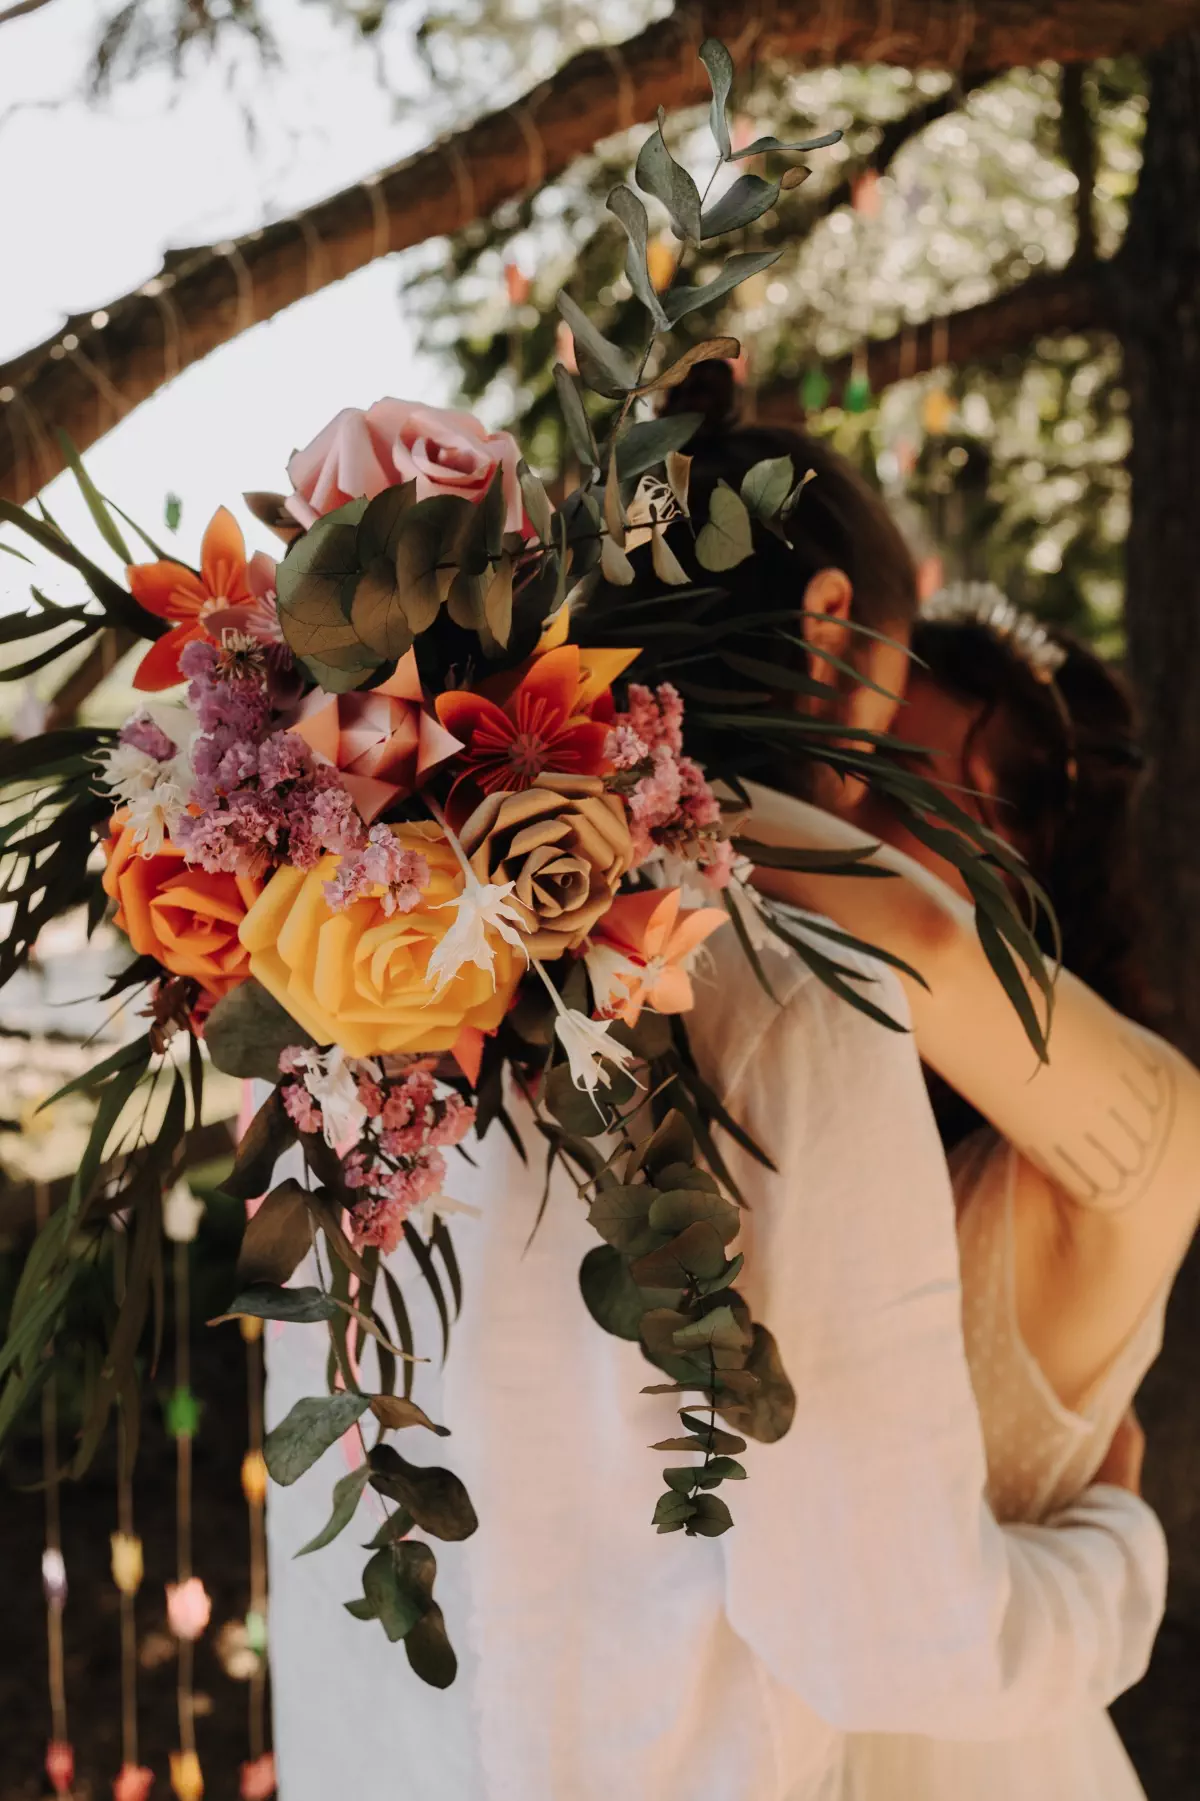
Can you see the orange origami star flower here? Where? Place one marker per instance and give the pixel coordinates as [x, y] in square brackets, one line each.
[640, 952]
[172, 591]
[543, 727]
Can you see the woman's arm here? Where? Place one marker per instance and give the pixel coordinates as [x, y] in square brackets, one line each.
[1108, 1130]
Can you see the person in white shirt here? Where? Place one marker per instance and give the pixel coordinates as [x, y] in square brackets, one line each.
[865, 1585]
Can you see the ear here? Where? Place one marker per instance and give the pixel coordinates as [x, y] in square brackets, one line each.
[827, 602]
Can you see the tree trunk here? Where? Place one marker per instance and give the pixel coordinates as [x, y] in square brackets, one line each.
[1158, 301]
[1157, 295]
[91, 374]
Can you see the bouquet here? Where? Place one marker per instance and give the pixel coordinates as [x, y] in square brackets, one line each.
[425, 820]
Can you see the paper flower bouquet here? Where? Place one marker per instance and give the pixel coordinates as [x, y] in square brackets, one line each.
[425, 821]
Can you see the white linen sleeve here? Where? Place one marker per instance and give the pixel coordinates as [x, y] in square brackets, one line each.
[865, 1567]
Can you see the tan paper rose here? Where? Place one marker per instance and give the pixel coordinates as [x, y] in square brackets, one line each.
[564, 844]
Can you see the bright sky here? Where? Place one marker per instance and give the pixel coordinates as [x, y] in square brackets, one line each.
[91, 196]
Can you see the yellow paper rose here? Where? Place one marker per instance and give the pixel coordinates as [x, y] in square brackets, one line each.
[358, 977]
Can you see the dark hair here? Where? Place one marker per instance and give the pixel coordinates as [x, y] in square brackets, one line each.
[838, 523]
[1067, 769]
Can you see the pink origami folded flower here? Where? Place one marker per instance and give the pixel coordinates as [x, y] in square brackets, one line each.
[382, 740]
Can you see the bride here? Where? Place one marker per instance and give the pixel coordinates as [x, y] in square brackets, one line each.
[1075, 1184]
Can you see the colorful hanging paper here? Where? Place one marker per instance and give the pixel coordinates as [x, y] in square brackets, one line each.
[937, 412]
[814, 388]
[857, 396]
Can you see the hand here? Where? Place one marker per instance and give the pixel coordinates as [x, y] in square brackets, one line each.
[1122, 1467]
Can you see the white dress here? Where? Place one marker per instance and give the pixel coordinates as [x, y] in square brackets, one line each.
[1040, 1456]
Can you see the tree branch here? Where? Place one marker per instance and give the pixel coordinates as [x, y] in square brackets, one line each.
[20, 8]
[103, 365]
[1078, 140]
[1071, 299]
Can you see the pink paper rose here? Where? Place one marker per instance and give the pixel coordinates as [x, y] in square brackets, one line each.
[395, 441]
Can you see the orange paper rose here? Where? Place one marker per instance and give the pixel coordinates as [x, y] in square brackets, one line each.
[185, 917]
[358, 977]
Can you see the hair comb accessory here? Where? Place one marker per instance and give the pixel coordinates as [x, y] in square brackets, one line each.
[986, 605]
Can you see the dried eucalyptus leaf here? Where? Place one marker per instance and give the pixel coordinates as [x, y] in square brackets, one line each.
[710, 1518]
[713, 350]
[624, 204]
[538, 509]
[725, 539]
[719, 64]
[396, 1601]
[718, 1330]
[394, 1413]
[667, 566]
[738, 269]
[744, 201]
[579, 427]
[680, 1207]
[247, 1030]
[347, 1492]
[767, 485]
[377, 611]
[278, 1235]
[307, 1432]
[767, 1412]
[270, 509]
[602, 365]
[268, 1135]
[498, 602]
[312, 582]
[429, 1651]
[610, 1294]
[760, 146]
[659, 174]
[436, 1498]
[296, 1306]
[697, 1251]
[620, 1214]
[615, 565]
[645, 445]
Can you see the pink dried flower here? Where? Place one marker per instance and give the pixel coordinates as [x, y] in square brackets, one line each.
[144, 735]
[384, 865]
[379, 1220]
[717, 863]
[300, 1107]
[624, 749]
[293, 1060]
[371, 1096]
[283, 757]
[456, 1121]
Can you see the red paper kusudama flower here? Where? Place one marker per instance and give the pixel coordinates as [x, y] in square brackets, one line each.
[172, 591]
[544, 727]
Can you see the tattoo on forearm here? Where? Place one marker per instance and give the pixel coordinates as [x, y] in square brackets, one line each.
[1111, 1165]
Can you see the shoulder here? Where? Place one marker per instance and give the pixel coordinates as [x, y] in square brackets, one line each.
[737, 1025]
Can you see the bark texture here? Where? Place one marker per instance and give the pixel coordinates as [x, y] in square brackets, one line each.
[90, 375]
[1157, 291]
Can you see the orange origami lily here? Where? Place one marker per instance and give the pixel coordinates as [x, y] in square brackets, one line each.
[641, 949]
[172, 591]
[543, 727]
